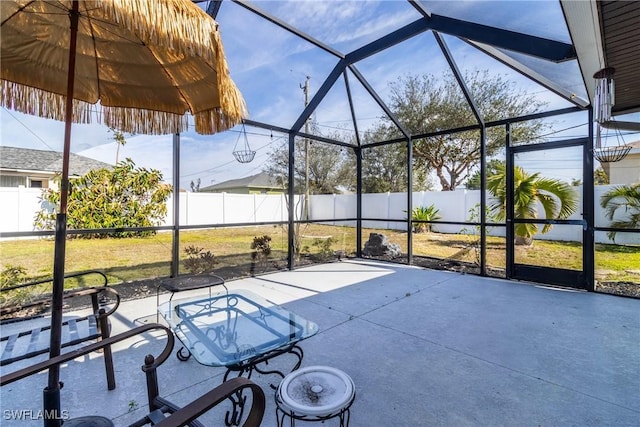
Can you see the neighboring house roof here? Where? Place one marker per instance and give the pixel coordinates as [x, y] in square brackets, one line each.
[260, 180]
[26, 159]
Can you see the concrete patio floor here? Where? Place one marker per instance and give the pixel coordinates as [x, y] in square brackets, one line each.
[424, 348]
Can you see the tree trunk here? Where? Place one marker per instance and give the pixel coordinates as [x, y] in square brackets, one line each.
[443, 180]
[524, 241]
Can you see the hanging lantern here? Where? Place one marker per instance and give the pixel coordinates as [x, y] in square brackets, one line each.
[244, 154]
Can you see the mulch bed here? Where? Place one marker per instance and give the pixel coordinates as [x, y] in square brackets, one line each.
[146, 288]
[137, 289]
[628, 289]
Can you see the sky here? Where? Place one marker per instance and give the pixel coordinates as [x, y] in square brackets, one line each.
[270, 66]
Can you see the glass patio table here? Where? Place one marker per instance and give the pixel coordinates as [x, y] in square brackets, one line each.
[236, 329]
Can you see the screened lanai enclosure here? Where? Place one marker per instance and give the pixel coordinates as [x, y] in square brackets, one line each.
[496, 138]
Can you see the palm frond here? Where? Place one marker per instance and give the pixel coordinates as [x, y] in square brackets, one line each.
[526, 230]
[558, 199]
[564, 193]
[627, 196]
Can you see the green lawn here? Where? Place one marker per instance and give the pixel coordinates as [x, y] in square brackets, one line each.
[131, 259]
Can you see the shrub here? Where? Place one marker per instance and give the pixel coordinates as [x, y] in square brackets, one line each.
[198, 260]
[125, 196]
[324, 245]
[424, 213]
[261, 250]
[11, 276]
[261, 246]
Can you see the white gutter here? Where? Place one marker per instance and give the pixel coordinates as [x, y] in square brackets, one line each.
[583, 23]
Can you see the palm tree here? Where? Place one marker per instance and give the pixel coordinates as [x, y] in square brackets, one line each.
[424, 213]
[626, 197]
[118, 137]
[558, 199]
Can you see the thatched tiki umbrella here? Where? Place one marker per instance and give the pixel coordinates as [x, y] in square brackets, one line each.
[136, 65]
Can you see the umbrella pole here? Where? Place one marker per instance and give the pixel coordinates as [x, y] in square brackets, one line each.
[51, 395]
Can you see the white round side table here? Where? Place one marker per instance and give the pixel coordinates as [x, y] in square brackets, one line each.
[315, 393]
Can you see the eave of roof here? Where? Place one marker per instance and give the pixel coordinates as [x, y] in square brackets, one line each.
[45, 161]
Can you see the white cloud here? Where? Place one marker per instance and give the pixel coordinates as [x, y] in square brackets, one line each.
[346, 23]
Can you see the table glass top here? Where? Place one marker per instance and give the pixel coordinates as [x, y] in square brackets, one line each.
[234, 327]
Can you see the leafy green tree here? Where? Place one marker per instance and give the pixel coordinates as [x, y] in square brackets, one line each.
[125, 196]
[330, 166]
[558, 199]
[428, 103]
[384, 168]
[327, 171]
[622, 198]
[600, 177]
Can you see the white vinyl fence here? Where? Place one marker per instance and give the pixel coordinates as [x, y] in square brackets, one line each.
[19, 207]
[227, 208]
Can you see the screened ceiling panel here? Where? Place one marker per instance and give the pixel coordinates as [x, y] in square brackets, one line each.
[415, 57]
[471, 61]
[567, 126]
[370, 116]
[534, 17]
[418, 59]
[564, 74]
[332, 118]
[271, 64]
[342, 25]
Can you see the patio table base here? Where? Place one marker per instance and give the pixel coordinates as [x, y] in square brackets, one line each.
[234, 416]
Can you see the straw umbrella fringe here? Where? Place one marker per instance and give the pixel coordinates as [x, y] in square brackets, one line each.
[44, 104]
[155, 24]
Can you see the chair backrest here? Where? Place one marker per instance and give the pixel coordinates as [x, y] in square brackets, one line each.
[177, 416]
[202, 404]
